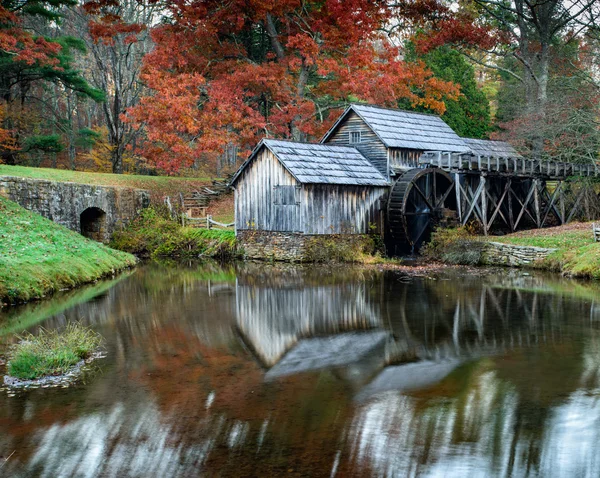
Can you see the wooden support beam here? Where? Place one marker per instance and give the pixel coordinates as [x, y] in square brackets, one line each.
[536, 203]
[457, 189]
[472, 204]
[524, 205]
[498, 206]
[575, 205]
[484, 204]
[551, 203]
[511, 219]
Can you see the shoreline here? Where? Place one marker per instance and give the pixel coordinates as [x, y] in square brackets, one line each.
[569, 250]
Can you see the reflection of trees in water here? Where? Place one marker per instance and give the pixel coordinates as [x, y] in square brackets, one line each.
[494, 410]
[182, 392]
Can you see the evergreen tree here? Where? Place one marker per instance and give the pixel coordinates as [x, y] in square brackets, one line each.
[27, 59]
[469, 115]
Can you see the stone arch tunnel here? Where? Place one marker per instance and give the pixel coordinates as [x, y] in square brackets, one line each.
[94, 211]
[92, 222]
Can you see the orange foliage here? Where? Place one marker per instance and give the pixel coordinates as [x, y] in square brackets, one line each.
[7, 140]
[218, 77]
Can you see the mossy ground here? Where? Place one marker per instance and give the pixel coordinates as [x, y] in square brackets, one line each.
[39, 257]
[154, 234]
[52, 352]
[576, 255]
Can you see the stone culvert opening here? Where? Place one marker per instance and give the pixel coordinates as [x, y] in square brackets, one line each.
[93, 224]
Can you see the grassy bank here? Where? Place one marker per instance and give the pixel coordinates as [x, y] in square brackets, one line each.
[52, 352]
[153, 234]
[158, 186]
[39, 257]
[576, 254]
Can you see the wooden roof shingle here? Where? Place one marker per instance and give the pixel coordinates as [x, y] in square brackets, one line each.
[406, 129]
[321, 163]
[484, 147]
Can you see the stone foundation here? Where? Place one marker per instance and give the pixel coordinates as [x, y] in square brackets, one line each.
[95, 211]
[298, 247]
[499, 254]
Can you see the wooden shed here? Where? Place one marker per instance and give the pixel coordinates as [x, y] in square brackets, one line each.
[393, 140]
[309, 189]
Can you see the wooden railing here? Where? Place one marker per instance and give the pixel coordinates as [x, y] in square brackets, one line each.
[513, 166]
[207, 222]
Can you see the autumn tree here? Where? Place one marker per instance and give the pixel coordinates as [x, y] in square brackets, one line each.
[469, 115]
[117, 37]
[524, 38]
[28, 58]
[224, 74]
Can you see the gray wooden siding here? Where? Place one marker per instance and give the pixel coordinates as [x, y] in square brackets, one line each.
[370, 146]
[403, 159]
[273, 319]
[337, 209]
[256, 193]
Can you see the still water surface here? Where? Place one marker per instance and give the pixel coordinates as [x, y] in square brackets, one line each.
[267, 370]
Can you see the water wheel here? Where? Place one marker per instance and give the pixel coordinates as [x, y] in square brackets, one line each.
[419, 200]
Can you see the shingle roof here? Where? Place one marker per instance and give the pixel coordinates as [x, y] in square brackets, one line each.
[486, 147]
[407, 129]
[321, 163]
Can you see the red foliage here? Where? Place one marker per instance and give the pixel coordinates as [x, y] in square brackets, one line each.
[21, 45]
[216, 77]
[439, 25]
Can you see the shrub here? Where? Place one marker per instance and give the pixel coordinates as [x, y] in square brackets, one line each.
[454, 245]
[155, 234]
[52, 352]
[339, 248]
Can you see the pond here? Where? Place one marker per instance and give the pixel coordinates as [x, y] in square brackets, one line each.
[272, 370]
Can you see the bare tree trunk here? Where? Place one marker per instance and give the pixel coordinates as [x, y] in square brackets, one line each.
[297, 134]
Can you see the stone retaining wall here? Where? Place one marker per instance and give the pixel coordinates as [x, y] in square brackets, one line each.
[298, 247]
[499, 254]
[95, 211]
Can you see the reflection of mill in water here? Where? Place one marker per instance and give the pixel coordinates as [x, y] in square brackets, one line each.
[394, 335]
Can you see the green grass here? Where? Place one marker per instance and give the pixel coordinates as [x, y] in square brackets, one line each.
[39, 257]
[576, 254]
[52, 352]
[157, 185]
[15, 320]
[153, 234]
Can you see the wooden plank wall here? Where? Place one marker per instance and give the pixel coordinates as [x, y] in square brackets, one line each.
[273, 319]
[254, 197]
[370, 146]
[404, 159]
[339, 209]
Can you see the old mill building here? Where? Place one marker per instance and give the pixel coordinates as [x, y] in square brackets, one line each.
[384, 171]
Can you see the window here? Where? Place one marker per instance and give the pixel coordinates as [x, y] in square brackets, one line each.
[354, 137]
[285, 196]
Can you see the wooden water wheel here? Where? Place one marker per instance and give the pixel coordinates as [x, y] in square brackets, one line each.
[420, 200]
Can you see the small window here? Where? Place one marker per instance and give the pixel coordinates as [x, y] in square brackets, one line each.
[285, 196]
[354, 137]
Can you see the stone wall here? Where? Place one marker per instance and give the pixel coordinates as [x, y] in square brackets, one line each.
[498, 254]
[298, 247]
[95, 211]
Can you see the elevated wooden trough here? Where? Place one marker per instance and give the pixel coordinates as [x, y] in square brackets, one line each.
[510, 191]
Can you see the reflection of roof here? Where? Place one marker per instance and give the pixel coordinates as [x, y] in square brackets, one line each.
[326, 352]
[411, 376]
[407, 129]
[321, 163]
[484, 147]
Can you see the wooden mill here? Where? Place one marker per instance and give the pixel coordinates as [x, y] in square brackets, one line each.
[403, 174]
